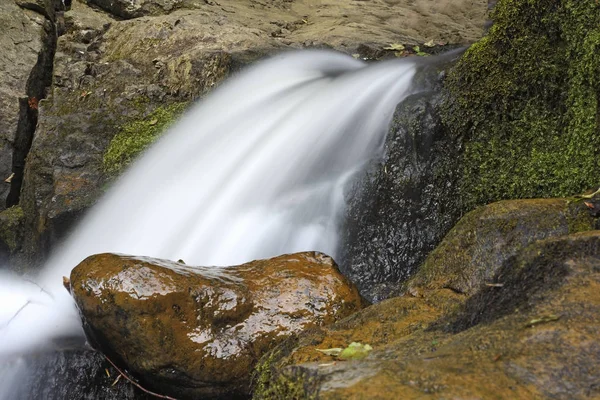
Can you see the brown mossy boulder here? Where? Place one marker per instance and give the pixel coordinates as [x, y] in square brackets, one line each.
[471, 253]
[197, 332]
[534, 336]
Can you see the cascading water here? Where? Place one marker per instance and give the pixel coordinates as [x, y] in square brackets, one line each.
[255, 170]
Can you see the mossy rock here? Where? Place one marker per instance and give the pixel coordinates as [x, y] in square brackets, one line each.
[485, 238]
[526, 100]
[137, 135]
[11, 225]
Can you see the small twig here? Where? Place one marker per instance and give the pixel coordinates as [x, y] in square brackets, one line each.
[41, 288]
[137, 384]
[17, 313]
[494, 284]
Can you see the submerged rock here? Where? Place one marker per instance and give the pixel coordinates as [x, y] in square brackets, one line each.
[66, 374]
[524, 325]
[197, 331]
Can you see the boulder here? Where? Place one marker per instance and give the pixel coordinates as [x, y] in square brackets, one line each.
[197, 332]
[531, 335]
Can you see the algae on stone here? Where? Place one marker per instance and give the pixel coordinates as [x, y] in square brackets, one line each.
[11, 220]
[526, 100]
[136, 136]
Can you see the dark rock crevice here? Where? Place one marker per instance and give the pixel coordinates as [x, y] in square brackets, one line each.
[38, 82]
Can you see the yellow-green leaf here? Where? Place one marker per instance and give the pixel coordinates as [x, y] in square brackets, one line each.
[355, 351]
[331, 352]
[394, 47]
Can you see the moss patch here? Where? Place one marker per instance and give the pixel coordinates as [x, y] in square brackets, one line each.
[11, 221]
[527, 100]
[136, 136]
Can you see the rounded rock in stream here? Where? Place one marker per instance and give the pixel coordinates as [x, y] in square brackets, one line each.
[198, 331]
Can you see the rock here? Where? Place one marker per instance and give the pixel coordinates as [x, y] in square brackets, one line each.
[398, 213]
[474, 250]
[21, 40]
[68, 374]
[11, 232]
[534, 336]
[137, 8]
[528, 114]
[197, 331]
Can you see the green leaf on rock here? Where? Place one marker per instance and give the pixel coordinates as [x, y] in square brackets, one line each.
[331, 352]
[355, 351]
[394, 47]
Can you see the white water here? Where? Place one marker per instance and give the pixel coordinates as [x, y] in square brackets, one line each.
[255, 170]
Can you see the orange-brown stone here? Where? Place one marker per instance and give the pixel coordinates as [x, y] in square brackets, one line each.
[198, 331]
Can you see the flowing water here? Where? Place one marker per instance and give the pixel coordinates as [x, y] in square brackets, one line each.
[255, 170]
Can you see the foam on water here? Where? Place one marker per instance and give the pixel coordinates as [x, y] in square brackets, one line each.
[255, 170]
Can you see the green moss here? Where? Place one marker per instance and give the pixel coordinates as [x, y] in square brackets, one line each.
[134, 137]
[270, 381]
[526, 100]
[11, 220]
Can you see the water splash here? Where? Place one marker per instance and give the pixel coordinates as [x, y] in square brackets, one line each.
[256, 170]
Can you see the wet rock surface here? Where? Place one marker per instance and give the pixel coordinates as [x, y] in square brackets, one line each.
[403, 208]
[70, 374]
[532, 333]
[197, 332]
[473, 251]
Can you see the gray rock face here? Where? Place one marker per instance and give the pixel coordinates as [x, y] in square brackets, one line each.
[21, 40]
[407, 204]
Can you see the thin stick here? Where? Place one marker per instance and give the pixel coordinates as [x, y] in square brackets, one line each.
[17, 313]
[41, 288]
[137, 384]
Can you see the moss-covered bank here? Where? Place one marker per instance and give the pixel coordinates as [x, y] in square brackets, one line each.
[527, 100]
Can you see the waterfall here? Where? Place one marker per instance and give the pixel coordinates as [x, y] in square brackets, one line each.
[256, 169]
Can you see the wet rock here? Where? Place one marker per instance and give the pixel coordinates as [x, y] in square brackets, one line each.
[69, 374]
[474, 250]
[131, 9]
[196, 331]
[400, 211]
[534, 336]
